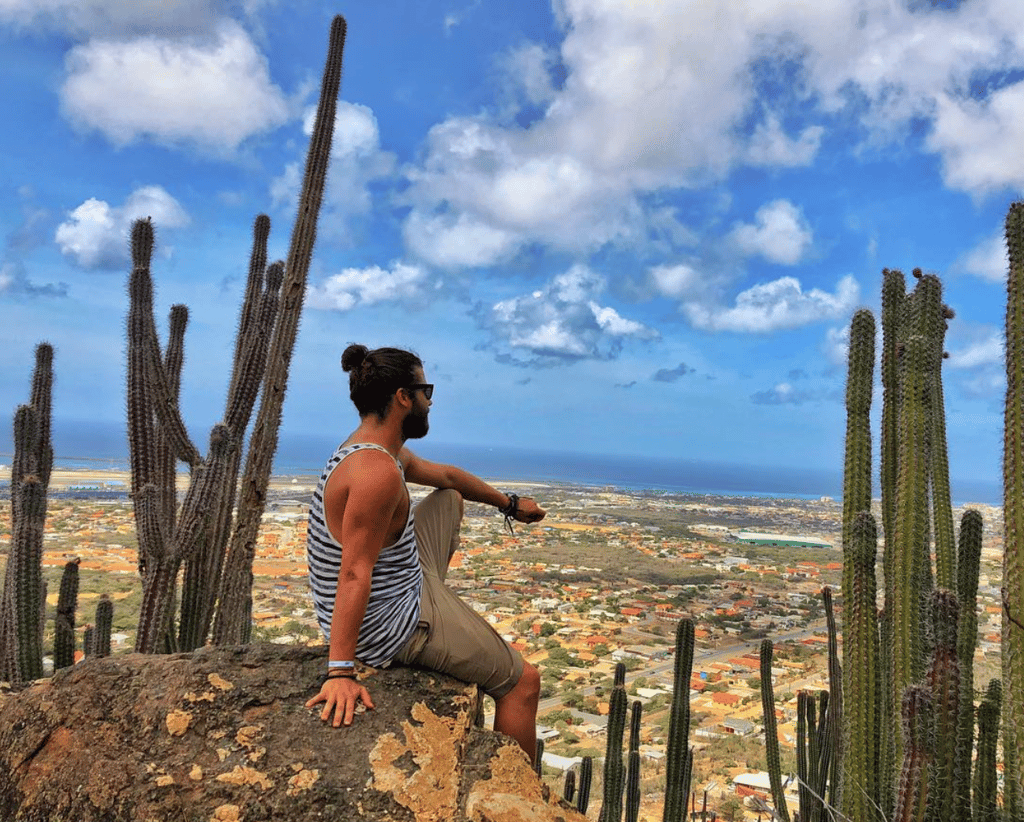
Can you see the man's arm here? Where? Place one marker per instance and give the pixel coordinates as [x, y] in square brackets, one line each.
[371, 503]
[471, 487]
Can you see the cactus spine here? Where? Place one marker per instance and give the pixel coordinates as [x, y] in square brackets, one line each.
[22, 600]
[233, 619]
[64, 622]
[679, 757]
[1013, 522]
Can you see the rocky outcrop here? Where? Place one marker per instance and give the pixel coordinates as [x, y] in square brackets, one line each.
[223, 735]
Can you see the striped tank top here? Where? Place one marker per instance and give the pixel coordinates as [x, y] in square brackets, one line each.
[393, 609]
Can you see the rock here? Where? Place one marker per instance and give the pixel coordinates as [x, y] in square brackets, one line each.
[223, 735]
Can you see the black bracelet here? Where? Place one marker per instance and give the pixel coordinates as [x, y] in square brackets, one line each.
[510, 511]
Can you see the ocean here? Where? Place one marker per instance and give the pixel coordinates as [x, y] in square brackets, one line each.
[103, 445]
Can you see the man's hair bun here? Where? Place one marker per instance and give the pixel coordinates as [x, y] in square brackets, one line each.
[353, 357]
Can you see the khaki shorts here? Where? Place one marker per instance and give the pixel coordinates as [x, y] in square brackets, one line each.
[451, 637]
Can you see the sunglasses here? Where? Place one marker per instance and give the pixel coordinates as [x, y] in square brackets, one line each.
[426, 387]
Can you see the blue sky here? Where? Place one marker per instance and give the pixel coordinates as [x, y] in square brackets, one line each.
[608, 227]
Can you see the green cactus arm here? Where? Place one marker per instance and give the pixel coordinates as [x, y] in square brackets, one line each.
[253, 289]
[569, 786]
[233, 619]
[41, 401]
[633, 788]
[857, 464]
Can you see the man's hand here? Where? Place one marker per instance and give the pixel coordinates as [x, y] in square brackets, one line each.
[341, 695]
[529, 511]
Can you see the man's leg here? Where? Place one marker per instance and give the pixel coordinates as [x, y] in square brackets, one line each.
[515, 713]
[458, 640]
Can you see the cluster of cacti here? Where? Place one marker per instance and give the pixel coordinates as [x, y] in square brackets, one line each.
[23, 599]
[64, 621]
[900, 742]
[215, 548]
[1013, 523]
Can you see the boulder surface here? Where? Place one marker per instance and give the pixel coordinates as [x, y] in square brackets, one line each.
[223, 735]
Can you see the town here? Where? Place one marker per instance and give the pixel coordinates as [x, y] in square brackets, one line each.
[605, 578]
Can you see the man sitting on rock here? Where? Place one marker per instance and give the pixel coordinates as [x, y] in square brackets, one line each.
[382, 598]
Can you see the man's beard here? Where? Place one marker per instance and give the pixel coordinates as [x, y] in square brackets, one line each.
[415, 426]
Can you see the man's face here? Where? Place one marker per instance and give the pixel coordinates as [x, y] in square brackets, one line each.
[415, 425]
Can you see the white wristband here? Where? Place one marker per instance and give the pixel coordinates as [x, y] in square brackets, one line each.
[346, 663]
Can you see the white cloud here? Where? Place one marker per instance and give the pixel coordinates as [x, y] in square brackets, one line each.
[780, 304]
[659, 96]
[779, 233]
[988, 260]
[771, 146]
[675, 281]
[528, 69]
[980, 140]
[563, 320]
[982, 352]
[357, 160]
[96, 234]
[169, 18]
[836, 345]
[366, 286]
[212, 92]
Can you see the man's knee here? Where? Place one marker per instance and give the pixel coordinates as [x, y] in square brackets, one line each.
[529, 682]
[448, 499]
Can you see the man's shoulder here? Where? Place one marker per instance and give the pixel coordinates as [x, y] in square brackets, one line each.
[368, 470]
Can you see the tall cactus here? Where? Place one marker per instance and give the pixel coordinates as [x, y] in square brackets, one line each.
[771, 733]
[968, 567]
[614, 769]
[586, 779]
[633, 763]
[943, 682]
[233, 621]
[64, 621]
[862, 720]
[679, 757]
[1013, 522]
[215, 549]
[22, 600]
[104, 624]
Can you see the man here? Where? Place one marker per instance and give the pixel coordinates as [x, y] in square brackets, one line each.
[377, 568]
